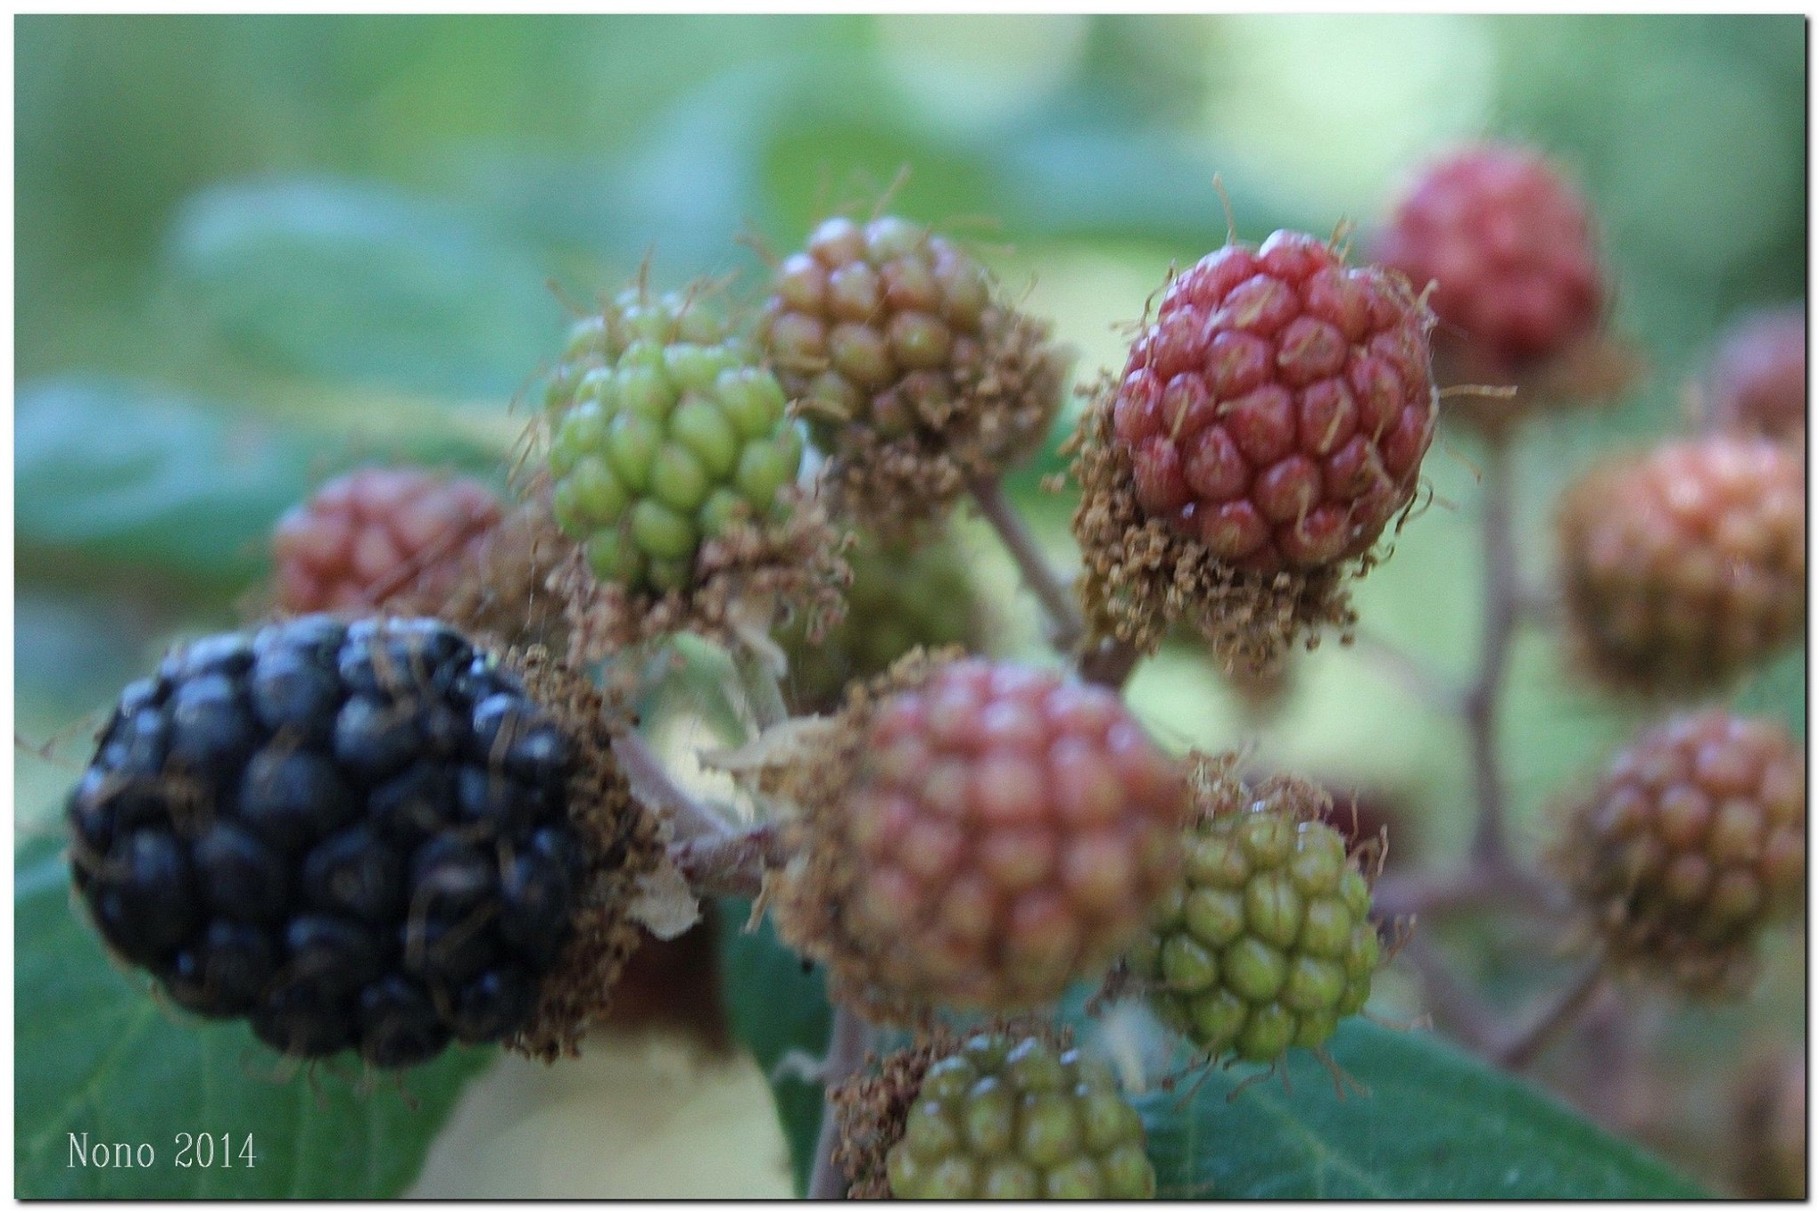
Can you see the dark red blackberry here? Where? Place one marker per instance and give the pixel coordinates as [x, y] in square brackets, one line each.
[354, 835]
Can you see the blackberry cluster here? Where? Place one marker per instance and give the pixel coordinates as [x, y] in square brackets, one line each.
[1685, 566]
[1015, 1118]
[1757, 382]
[1278, 409]
[905, 594]
[664, 432]
[914, 379]
[1692, 843]
[381, 535]
[1267, 943]
[990, 835]
[1507, 241]
[356, 835]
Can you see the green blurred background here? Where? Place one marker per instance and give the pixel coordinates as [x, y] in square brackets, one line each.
[251, 252]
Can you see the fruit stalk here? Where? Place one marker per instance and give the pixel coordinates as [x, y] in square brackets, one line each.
[1518, 1053]
[1066, 626]
[847, 1045]
[1490, 846]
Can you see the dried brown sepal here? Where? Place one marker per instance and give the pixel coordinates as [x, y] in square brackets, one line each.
[1141, 575]
[622, 844]
[808, 896]
[873, 1108]
[792, 569]
[993, 412]
[1596, 371]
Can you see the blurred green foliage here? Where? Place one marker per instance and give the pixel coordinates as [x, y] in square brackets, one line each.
[251, 251]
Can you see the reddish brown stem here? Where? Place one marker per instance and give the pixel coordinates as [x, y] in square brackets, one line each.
[845, 1055]
[1553, 1022]
[730, 865]
[1490, 842]
[1066, 625]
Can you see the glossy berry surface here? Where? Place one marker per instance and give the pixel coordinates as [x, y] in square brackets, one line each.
[664, 432]
[1507, 241]
[1015, 1118]
[1693, 840]
[354, 835]
[1267, 942]
[374, 533]
[1685, 566]
[1278, 409]
[1009, 832]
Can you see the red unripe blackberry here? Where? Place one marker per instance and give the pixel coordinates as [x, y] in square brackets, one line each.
[1757, 381]
[1693, 840]
[1278, 409]
[356, 835]
[1002, 831]
[1507, 240]
[366, 538]
[1685, 566]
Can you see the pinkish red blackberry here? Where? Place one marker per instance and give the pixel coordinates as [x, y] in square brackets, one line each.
[1507, 240]
[1692, 842]
[915, 379]
[1757, 381]
[355, 835]
[376, 535]
[981, 838]
[1685, 566]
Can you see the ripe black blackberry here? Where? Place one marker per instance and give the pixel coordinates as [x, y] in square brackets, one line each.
[362, 835]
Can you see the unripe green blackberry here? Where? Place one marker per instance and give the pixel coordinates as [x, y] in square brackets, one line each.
[1691, 843]
[906, 593]
[664, 432]
[912, 375]
[1685, 566]
[1267, 942]
[1014, 1117]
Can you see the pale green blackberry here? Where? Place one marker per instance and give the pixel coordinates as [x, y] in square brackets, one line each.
[1267, 942]
[664, 432]
[1009, 1117]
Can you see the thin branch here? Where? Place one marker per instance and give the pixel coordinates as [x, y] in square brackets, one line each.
[1490, 842]
[845, 1055]
[1470, 888]
[1548, 1027]
[730, 865]
[1066, 625]
[652, 785]
[1454, 1005]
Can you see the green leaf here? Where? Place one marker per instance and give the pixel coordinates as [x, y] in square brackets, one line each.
[1437, 1125]
[346, 280]
[99, 1061]
[123, 475]
[778, 1010]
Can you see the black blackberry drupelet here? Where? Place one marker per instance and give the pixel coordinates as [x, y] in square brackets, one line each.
[356, 835]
